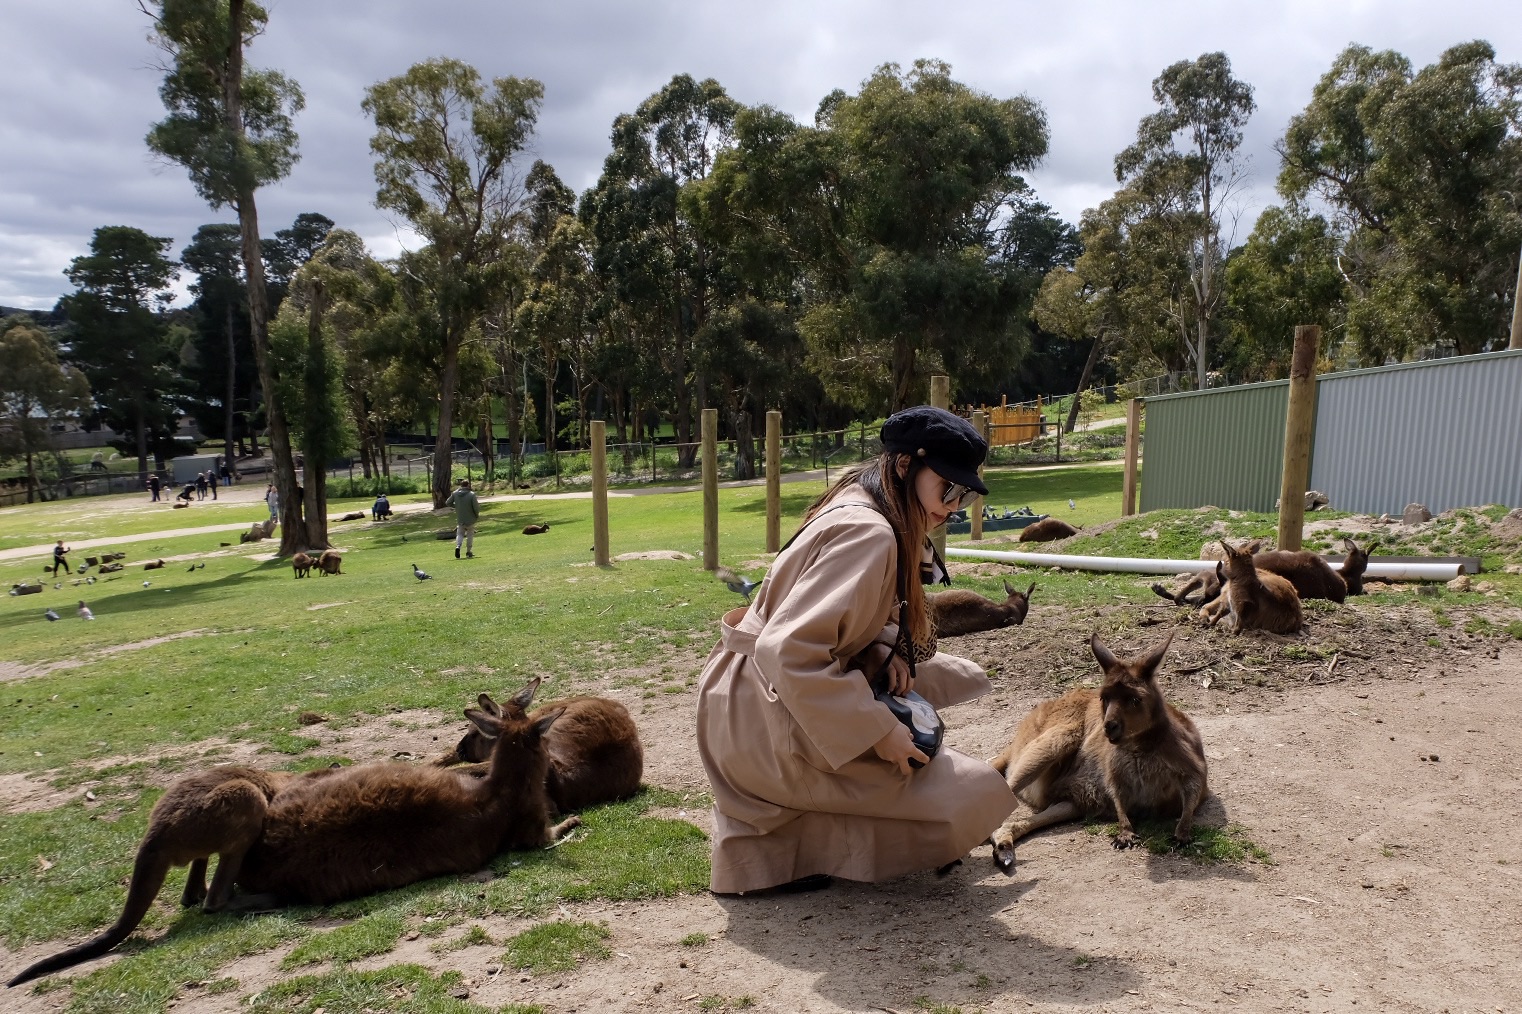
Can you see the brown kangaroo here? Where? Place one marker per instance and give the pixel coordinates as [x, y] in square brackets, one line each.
[594, 751]
[1120, 749]
[1047, 530]
[538, 529]
[329, 562]
[1254, 599]
[961, 611]
[374, 827]
[216, 812]
[302, 564]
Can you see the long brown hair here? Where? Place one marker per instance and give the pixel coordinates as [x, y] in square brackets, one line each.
[895, 498]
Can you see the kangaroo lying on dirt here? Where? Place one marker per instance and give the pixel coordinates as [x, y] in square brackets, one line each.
[594, 751]
[373, 827]
[1047, 530]
[961, 611]
[216, 812]
[1119, 750]
[1254, 599]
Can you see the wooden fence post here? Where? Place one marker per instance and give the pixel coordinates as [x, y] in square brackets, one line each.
[975, 511]
[773, 481]
[940, 397]
[1299, 429]
[710, 451]
[1133, 454]
[1516, 310]
[600, 493]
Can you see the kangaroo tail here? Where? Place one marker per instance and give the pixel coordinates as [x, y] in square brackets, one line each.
[148, 875]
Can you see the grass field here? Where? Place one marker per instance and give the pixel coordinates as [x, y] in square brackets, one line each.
[171, 675]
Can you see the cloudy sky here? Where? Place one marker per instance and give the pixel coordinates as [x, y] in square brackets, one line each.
[79, 87]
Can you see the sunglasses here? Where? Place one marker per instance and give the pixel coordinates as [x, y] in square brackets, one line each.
[958, 494]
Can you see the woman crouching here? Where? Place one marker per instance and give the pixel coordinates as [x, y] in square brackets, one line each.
[812, 776]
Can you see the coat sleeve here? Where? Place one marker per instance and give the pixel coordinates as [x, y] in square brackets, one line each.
[839, 599]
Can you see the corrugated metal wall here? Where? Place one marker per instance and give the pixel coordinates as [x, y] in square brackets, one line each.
[1445, 433]
[1223, 447]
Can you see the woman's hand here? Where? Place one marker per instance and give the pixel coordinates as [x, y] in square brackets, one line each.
[879, 658]
[898, 749]
[897, 674]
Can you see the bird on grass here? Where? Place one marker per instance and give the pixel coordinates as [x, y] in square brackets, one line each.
[84, 611]
[421, 575]
[50, 615]
[404, 536]
[57, 585]
[147, 583]
[190, 569]
[1072, 506]
[201, 565]
[735, 583]
[89, 580]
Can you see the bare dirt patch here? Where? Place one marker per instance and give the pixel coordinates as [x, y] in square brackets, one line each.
[20, 670]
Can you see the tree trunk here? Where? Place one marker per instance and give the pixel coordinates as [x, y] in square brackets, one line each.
[1083, 384]
[903, 374]
[745, 448]
[316, 428]
[31, 478]
[443, 447]
[484, 437]
[291, 529]
[232, 392]
[551, 367]
[142, 435]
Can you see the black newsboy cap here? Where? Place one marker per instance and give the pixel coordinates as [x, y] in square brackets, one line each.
[945, 442]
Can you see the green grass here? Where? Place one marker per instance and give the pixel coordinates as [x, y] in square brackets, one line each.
[364, 938]
[695, 940]
[558, 946]
[400, 989]
[1207, 846]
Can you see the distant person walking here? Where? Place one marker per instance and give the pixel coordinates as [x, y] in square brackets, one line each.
[272, 499]
[60, 553]
[200, 485]
[211, 481]
[227, 475]
[467, 511]
[154, 487]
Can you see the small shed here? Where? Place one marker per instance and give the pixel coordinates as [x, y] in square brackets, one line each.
[185, 468]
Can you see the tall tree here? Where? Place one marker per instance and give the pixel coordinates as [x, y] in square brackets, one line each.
[231, 128]
[36, 391]
[119, 337]
[220, 310]
[1422, 171]
[1188, 150]
[446, 147]
[893, 200]
[659, 266]
[1285, 274]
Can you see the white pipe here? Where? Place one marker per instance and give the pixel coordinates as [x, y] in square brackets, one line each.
[1142, 565]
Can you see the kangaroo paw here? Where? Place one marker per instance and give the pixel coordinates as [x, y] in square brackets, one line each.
[1126, 840]
[1004, 856]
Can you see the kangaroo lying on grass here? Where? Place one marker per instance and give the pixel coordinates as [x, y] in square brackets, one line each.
[1254, 599]
[1311, 575]
[1119, 750]
[1047, 530]
[217, 812]
[594, 751]
[373, 827]
[961, 611]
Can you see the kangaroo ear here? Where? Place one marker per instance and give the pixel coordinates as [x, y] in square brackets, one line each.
[1104, 656]
[489, 725]
[543, 723]
[1147, 665]
[525, 697]
[488, 705]
[1009, 589]
[1030, 589]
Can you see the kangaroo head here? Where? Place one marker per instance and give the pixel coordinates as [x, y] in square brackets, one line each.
[1129, 696]
[1017, 605]
[1354, 564]
[1238, 560]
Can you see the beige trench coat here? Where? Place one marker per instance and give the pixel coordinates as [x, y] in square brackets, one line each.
[786, 731]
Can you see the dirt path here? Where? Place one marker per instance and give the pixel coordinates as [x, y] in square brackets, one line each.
[1396, 885]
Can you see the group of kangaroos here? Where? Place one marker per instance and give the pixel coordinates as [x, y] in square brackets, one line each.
[515, 779]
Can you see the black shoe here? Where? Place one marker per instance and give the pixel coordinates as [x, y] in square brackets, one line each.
[816, 882]
[457, 552]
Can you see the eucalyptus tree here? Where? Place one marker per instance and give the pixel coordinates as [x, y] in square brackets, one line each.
[1285, 274]
[1185, 159]
[220, 310]
[892, 203]
[654, 262]
[1422, 171]
[231, 128]
[447, 146]
[36, 392]
[118, 335]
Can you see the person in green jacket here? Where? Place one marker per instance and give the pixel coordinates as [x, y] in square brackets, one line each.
[467, 511]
